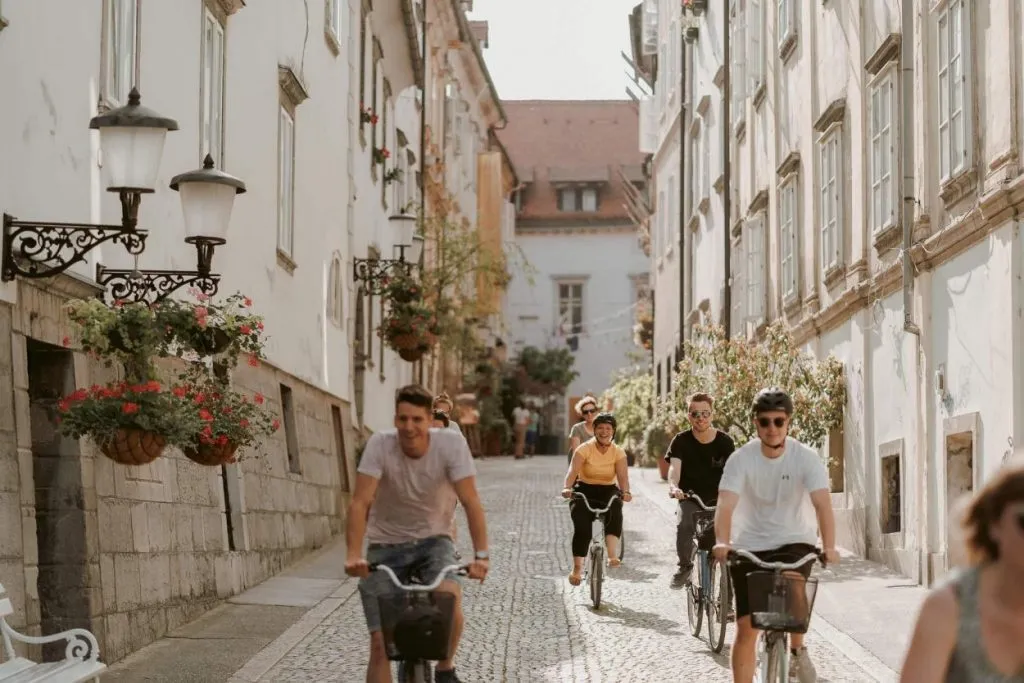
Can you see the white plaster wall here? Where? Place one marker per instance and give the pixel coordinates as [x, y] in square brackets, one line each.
[606, 262]
[665, 252]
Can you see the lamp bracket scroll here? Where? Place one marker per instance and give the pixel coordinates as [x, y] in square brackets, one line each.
[374, 272]
[152, 286]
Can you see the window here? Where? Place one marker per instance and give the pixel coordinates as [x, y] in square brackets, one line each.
[755, 44]
[659, 234]
[363, 9]
[339, 447]
[336, 292]
[705, 161]
[788, 236]
[570, 307]
[738, 279]
[754, 243]
[831, 201]
[589, 199]
[286, 183]
[212, 85]
[737, 77]
[671, 215]
[577, 199]
[954, 127]
[785, 24]
[291, 437]
[883, 152]
[334, 8]
[120, 50]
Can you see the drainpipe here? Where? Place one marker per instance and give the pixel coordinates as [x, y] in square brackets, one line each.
[421, 182]
[727, 170]
[907, 162]
[682, 208]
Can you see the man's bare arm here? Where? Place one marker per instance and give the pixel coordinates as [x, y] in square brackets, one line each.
[675, 471]
[727, 501]
[358, 514]
[822, 501]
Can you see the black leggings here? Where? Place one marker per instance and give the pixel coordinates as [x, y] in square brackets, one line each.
[583, 519]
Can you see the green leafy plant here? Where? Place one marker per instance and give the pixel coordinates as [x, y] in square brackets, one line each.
[406, 323]
[734, 370]
[227, 329]
[392, 175]
[643, 330]
[546, 371]
[227, 416]
[100, 412]
[402, 288]
[632, 395]
[381, 155]
[125, 333]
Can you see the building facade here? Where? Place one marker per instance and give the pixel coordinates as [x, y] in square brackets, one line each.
[587, 272]
[295, 102]
[874, 188]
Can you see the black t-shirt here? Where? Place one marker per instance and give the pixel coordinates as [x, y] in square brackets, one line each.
[702, 463]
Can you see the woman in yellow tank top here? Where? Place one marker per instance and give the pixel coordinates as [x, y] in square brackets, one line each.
[596, 466]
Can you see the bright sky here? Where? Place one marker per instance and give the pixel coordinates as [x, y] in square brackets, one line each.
[557, 49]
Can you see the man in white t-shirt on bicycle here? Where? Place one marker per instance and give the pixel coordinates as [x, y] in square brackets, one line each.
[773, 487]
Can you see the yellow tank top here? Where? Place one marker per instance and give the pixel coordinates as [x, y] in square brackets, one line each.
[599, 468]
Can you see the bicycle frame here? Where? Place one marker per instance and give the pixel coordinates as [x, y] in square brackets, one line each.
[775, 644]
[418, 670]
[597, 544]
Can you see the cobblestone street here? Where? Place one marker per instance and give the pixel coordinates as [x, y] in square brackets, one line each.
[525, 623]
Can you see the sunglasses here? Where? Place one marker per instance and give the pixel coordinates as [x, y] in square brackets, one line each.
[765, 422]
[700, 413]
[590, 411]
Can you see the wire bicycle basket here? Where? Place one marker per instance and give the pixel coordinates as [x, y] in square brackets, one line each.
[704, 529]
[417, 626]
[781, 602]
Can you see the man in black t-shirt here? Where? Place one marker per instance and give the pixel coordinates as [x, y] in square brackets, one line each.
[696, 459]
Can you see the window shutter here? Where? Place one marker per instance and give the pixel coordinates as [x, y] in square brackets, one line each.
[756, 57]
[649, 27]
[895, 172]
[837, 190]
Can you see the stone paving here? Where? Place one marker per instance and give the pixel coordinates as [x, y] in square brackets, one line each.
[526, 623]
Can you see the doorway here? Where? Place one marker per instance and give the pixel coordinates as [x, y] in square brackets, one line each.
[63, 583]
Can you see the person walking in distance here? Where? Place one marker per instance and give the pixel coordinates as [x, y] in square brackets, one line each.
[774, 486]
[584, 430]
[696, 460]
[406, 485]
[532, 432]
[520, 422]
[443, 403]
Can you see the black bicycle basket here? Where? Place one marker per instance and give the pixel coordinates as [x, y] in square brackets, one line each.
[704, 529]
[417, 625]
[781, 602]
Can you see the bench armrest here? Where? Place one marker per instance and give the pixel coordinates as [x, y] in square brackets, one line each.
[82, 645]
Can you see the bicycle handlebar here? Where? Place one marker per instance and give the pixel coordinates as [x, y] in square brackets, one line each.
[693, 496]
[587, 502]
[734, 554]
[460, 569]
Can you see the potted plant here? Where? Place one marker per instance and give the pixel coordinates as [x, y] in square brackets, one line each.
[392, 175]
[643, 331]
[402, 289]
[409, 328]
[128, 333]
[229, 419]
[380, 155]
[207, 328]
[366, 115]
[130, 423]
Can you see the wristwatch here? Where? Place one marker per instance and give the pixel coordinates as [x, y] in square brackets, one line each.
[481, 555]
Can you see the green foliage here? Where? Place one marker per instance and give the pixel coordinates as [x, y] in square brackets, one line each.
[226, 329]
[655, 439]
[101, 411]
[552, 369]
[733, 370]
[632, 395]
[129, 334]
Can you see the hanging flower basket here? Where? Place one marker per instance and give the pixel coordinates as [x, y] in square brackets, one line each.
[380, 155]
[134, 447]
[412, 355]
[126, 333]
[228, 419]
[402, 289]
[409, 327]
[405, 342]
[204, 327]
[130, 423]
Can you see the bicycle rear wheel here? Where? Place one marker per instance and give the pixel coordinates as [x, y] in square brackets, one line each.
[596, 575]
[718, 600]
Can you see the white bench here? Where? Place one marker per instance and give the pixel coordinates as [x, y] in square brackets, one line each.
[81, 656]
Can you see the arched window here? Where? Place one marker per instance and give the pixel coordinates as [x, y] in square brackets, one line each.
[336, 292]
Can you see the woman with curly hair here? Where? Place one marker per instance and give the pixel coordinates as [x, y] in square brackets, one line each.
[971, 629]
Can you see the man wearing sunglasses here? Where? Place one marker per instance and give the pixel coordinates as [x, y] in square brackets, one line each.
[770, 486]
[696, 458]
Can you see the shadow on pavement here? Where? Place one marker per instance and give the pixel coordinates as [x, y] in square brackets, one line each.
[634, 619]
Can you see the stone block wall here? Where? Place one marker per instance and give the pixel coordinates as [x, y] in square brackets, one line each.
[166, 541]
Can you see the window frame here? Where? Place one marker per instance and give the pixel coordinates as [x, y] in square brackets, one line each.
[754, 241]
[334, 22]
[831, 225]
[110, 56]
[336, 291]
[785, 23]
[789, 238]
[944, 59]
[755, 45]
[738, 71]
[286, 186]
[210, 132]
[574, 329]
[886, 79]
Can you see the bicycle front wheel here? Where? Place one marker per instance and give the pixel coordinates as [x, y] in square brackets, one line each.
[773, 665]
[694, 609]
[415, 672]
[718, 602]
[596, 575]
[622, 545]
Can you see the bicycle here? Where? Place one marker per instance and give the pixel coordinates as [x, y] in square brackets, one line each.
[780, 604]
[416, 623]
[700, 598]
[593, 572]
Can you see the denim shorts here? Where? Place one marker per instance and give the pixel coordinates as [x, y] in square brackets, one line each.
[427, 556]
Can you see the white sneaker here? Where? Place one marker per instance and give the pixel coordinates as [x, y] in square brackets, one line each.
[801, 668]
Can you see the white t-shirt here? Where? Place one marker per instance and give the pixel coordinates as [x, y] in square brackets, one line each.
[521, 416]
[775, 506]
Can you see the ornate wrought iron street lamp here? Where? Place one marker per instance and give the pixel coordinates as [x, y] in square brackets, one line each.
[373, 271]
[207, 198]
[131, 144]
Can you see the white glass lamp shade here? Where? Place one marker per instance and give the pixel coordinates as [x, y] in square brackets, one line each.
[207, 198]
[404, 226]
[131, 144]
[131, 157]
[206, 208]
[416, 252]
